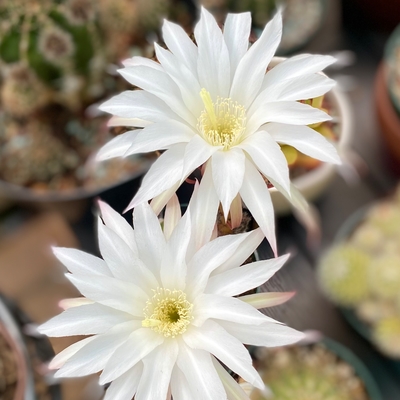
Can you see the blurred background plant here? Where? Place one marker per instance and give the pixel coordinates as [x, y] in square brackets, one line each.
[362, 273]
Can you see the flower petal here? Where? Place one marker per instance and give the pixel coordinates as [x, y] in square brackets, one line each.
[138, 345]
[158, 366]
[172, 216]
[296, 67]
[125, 386]
[228, 172]
[200, 374]
[226, 308]
[267, 299]
[269, 334]
[164, 173]
[159, 202]
[118, 224]
[180, 44]
[268, 157]
[88, 319]
[257, 198]
[180, 387]
[232, 388]
[161, 85]
[216, 340]
[150, 240]
[137, 60]
[247, 247]
[78, 261]
[244, 278]
[236, 35]
[121, 295]
[131, 122]
[304, 139]
[74, 302]
[139, 104]
[117, 146]
[159, 136]
[213, 66]
[251, 69]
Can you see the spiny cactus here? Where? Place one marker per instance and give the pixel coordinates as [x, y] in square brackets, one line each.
[56, 44]
[384, 276]
[308, 373]
[386, 334]
[342, 274]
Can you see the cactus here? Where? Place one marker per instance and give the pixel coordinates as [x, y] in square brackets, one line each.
[342, 274]
[56, 43]
[386, 217]
[386, 334]
[368, 238]
[307, 373]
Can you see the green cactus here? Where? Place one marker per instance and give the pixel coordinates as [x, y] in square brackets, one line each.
[342, 274]
[386, 334]
[308, 373]
[57, 43]
[386, 217]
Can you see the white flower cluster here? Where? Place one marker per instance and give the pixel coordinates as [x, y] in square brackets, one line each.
[163, 307]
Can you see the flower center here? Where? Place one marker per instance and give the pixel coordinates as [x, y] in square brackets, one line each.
[222, 123]
[168, 312]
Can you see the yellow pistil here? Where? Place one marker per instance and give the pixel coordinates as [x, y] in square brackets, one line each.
[222, 123]
[168, 312]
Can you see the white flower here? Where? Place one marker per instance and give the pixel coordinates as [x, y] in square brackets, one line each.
[160, 309]
[213, 103]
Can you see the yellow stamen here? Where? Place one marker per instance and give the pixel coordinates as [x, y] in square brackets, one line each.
[222, 123]
[168, 312]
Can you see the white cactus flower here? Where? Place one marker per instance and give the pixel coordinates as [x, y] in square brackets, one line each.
[160, 311]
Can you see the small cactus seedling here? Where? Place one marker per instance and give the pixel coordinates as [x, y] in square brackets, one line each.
[386, 334]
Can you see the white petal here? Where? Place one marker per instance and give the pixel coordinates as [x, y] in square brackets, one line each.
[117, 146]
[125, 386]
[157, 371]
[268, 157]
[210, 257]
[180, 44]
[200, 373]
[122, 261]
[180, 387]
[236, 35]
[159, 136]
[121, 295]
[197, 152]
[242, 279]
[251, 69]
[137, 60]
[183, 77]
[257, 198]
[214, 339]
[247, 247]
[88, 319]
[306, 140]
[172, 216]
[94, 355]
[161, 85]
[78, 261]
[267, 299]
[74, 302]
[118, 224]
[150, 238]
[269, 334]
[236, 211]
[139, 344]
[131, 122]
[164, 173]
[286, 112]
[139, 104]
[228, 172]
[173, 271]
[213, 64]
[226, 308]
[232, 388]
[159, 202]
[297, 66]
[203, 208]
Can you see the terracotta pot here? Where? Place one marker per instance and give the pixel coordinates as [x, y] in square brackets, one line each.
[389, 120]
[313, 183]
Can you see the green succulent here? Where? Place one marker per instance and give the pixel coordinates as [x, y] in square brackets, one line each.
[384, 276]
[57, 42]
[386, 334]
[343, 274]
